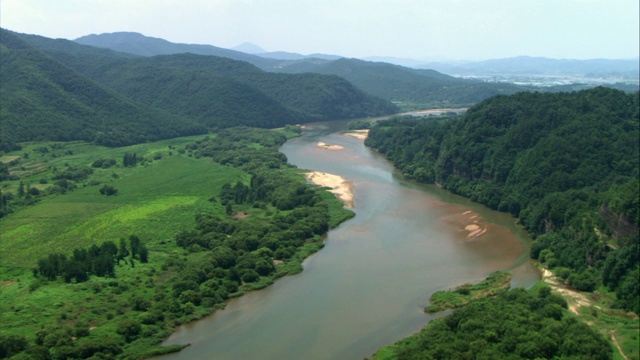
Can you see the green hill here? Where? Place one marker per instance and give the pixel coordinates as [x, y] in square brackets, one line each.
[387, 81]
[61, 90]
[138, 44]
[566, 164]
[43, 99]
[397, 83]
[214, 87]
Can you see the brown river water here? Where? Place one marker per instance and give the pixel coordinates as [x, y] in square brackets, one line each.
[369, 285]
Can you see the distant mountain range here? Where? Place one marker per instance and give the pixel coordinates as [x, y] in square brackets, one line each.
[388, 81]
[540, 66]
[519, 65]
[122, 88]
[61, 90]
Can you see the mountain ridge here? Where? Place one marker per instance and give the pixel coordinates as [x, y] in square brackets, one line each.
[155, 97]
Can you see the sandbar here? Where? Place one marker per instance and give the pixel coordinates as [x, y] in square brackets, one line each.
[439, 111]
[329, 147]
[337, 185]
[358, 134]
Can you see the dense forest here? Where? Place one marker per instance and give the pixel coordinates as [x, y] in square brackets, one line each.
[411, 88]
[565, 164]
[514, 325]
[61, 90]
[43, 99]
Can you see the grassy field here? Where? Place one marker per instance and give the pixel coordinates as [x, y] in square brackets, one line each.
[155, 200]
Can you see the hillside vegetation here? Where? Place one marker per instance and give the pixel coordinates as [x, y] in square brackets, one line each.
[61, 90]
[405, 85]
[516, 324]
[105, 250]
[42, 99]
[565, 164]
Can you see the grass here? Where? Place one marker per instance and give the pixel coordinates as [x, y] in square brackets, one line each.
[496, 283]
[155, 200]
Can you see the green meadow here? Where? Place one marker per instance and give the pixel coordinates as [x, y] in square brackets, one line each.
[154, 201]
[158, 200]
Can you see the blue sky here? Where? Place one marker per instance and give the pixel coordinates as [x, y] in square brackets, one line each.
[418, 29]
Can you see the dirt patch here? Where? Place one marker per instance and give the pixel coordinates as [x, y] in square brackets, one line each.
[8, 283]
[9, 158]
[240, 215]
[575, 299]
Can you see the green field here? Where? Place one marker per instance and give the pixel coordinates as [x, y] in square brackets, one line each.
[156, 200]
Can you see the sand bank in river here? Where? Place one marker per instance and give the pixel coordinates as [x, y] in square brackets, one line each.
[358, 134]
[337, 184]
[438, 111]
[474, 226]
[329, 147]
[469, 223]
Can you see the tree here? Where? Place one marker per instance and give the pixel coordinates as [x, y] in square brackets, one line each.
[21, 189]
[108, 190]
[129, 329]
[123, 252]
[11, 345]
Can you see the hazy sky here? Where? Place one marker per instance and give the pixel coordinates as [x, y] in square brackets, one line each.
[420, 29]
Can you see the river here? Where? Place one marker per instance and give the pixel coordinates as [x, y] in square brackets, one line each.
[369, 284]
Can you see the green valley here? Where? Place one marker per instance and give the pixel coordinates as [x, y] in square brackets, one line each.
[177, 202]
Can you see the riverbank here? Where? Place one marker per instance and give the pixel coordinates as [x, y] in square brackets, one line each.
[358, 134]
[337, 185]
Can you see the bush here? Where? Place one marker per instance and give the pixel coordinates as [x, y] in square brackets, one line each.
[129, 329]
[108, 190]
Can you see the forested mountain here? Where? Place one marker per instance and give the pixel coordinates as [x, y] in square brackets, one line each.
[398, 83]
[391, 82]
[255, 96]
[566, 164]
[61, 90]
[42, 99]
[138, 44]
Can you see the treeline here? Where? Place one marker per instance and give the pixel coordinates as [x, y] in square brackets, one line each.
[566, 164]
[514, 325]
[96, 260]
